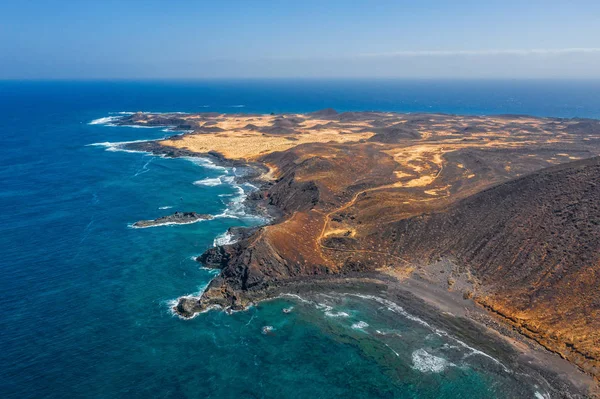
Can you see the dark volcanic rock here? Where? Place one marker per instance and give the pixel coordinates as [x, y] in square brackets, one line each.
[324, 113]
[584, 126]
[154, 147]
[176, 218]
[144, 119]
[394, 133]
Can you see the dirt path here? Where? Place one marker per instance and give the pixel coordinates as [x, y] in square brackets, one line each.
[355, 198]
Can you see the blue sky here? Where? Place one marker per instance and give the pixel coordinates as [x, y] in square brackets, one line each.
[200, 39]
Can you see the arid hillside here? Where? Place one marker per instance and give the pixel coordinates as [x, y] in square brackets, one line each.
[533, 247]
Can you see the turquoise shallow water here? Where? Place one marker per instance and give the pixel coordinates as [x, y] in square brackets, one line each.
[84, 298]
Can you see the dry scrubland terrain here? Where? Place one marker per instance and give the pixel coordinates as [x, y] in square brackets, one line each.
[504, 209]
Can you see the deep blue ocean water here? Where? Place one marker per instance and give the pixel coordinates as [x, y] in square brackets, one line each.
[84, 298]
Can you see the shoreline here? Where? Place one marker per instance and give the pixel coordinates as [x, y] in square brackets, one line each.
[565, 377]
[450, 314]
[255, 173]
[558, 372]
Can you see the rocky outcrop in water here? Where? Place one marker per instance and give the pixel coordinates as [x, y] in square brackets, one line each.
[176, 218]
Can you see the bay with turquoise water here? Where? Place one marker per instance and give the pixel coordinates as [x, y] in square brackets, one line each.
[84, 298]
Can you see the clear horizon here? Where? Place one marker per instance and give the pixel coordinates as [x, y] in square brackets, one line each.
[207, 40]
[298, 79]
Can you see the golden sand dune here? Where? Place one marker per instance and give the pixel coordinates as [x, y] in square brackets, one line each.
[248, 145]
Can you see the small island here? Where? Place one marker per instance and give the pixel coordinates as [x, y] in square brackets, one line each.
[176, 218]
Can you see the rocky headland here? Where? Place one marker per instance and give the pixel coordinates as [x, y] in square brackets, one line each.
[502, 211]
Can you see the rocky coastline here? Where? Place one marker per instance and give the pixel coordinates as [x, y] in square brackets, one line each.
[281, 257]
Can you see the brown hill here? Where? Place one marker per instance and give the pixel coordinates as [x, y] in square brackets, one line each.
[534, 244]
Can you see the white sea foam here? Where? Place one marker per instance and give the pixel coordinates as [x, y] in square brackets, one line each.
[210, 270]
[139, 126]
[151, 112]
[165, 207]
[118, 146]
[323, 306]
[267, 329]
[426, 362]
[104, 121]
[398, 309]
[295, 296]
[235, 208]
[539, 395]
[224, 239]
[174, 129]
[422, 360]
[336, 314]
[249, 186]
[209, 181]
[450, 347]
[238, 106]
[327, 309]
[360, 325]
[205, 163]
[171, 303]
[216, 181]
[109, 121]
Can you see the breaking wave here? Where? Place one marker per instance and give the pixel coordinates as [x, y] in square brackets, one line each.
[118, 146]
[336, 314]
[360, 325]
[426, 362]
[210, 182]
[205, 163]
[400, 310]
[107, 120]
[224, 239]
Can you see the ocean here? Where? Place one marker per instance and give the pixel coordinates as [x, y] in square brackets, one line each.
[84, 298]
